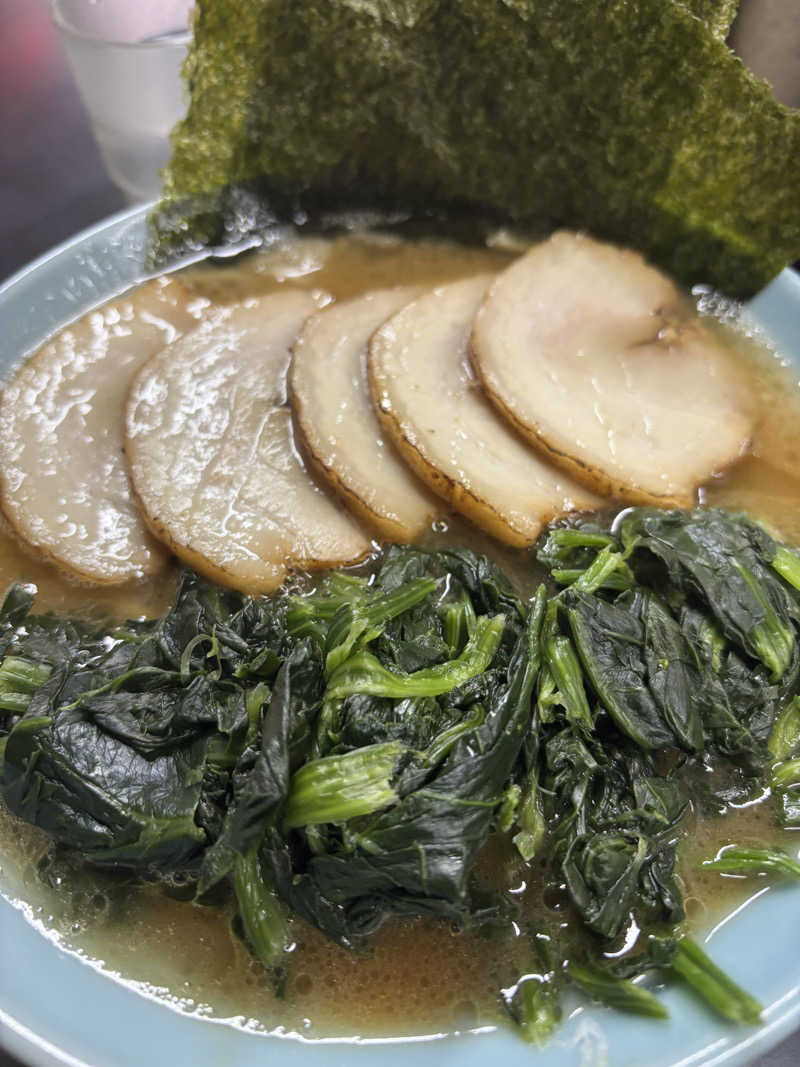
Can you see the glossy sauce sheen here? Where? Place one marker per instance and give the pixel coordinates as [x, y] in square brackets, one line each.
[337, 422]
[62, 474]
[212, 457]
[412, 977]
[419, 369]
[591, 354]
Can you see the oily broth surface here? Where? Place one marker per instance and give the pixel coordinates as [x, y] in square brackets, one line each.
[58, 593]
[766, 482]
[413, 977]
[343, 266]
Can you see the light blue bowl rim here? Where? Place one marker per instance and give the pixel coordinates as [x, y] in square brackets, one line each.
[57, 1009]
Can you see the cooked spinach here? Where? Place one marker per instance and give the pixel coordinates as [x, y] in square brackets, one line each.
[734, 860]
[713, 985]
[620, 993]
[725, 563]
[784, 746]
[534, 1002]
[346, 753]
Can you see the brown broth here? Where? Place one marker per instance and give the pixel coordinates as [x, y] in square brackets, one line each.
[413, 977]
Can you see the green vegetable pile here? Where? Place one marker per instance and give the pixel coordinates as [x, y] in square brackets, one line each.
[631, 119]
[345, 753]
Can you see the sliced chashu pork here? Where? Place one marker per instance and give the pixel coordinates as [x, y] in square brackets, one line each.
[212, 457]
[337, 421]
[63, 482]
[429, 403]
[592, 355]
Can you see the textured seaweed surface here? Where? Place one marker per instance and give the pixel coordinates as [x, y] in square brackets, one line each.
[717, 14]
[629, 118]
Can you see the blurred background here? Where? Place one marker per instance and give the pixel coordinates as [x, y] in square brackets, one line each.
[53, 178]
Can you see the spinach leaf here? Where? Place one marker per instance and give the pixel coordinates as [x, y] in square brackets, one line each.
[643, 670]
[724, 560]
[613, 824]
[94, 793]
[415, 857]
[738, 702]
[125, 752]
[344, 754]
[16, 605]
[261, 790]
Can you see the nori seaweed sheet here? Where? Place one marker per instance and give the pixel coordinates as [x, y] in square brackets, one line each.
[628, 118]
[718, 15]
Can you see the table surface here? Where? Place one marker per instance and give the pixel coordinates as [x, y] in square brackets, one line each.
[52, 184]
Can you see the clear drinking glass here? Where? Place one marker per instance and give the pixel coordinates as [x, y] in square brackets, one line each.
[126, 57]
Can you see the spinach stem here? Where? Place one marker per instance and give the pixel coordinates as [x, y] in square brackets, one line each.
[619, 993]
[337, 788]
[260, 910]
[364, 673]
[787, 564]
[19, 679]
[713, 985]
[737, 860]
